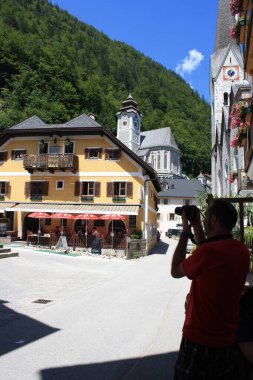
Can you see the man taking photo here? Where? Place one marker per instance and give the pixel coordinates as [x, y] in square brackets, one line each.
[218, 269]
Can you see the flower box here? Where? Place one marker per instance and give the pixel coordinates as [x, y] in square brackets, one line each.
[119, 200]
[36, 198]
[87, 199]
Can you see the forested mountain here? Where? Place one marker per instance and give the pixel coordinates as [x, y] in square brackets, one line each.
[56, 67]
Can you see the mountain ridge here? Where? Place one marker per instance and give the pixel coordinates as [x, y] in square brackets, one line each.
[57, 67]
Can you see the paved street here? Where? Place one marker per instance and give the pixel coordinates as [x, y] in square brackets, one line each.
[108, 319]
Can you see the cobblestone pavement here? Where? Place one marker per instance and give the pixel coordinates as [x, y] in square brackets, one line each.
[108, 318]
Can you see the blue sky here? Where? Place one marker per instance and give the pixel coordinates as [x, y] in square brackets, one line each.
[178, 34]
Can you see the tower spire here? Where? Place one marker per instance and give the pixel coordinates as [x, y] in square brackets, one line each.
[225, 21]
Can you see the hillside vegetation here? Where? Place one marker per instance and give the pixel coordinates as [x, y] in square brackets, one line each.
[57, 67]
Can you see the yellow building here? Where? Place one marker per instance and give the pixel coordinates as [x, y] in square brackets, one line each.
[76, 167]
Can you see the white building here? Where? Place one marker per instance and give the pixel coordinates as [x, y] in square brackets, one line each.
[175, 193]
[226, 71]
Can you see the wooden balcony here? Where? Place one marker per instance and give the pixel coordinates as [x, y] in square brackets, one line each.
[50, 162]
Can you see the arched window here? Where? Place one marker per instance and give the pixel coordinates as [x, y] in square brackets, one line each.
[225, 99]
[166, 160]
[158, 160]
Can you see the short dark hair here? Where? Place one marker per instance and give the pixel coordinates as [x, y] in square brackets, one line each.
[225, 213]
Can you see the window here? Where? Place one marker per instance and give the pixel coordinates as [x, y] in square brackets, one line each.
[172, 216]
[120, 189]
[158, 160]
[132, 221]
[158, 216]
[18, 154]
[36, 188]
[59, 185]
[124, 123]
[93, 153]
[3, 156]
[112, 154]
[88, 188]
[165, 160]
[165, 201]
[43, 147]
[69, 148]
[4, 187]
[186, 201]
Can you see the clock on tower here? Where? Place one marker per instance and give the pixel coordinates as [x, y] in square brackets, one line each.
[230, 72]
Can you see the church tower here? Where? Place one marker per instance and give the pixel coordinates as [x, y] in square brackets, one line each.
[226, 71]
[129, 124]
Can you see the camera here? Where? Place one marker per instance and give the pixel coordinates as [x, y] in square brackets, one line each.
[190, 211]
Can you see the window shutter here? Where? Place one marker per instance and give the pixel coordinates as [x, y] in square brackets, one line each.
[28, 189]
[7, 188]
[118, 154]
[77, 188]
[13, 154]
[97, 189]
[130, 189]
[106, 154]
[86, 153]
[109, 189]
[45, 187]
[3, 156]
[100, 151]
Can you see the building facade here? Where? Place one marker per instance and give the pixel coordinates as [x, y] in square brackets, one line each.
[175, 193]
[76, 167]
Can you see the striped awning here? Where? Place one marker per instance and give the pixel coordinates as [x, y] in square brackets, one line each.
[76, 208]
[5, 205]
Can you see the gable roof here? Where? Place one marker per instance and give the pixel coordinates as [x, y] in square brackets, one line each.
[218, 58]
[182, 188]
[161, 137]
[81, 125]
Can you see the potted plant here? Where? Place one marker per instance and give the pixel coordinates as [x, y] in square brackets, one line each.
[235, 31]
[41, 144]
[235, 6]
[67, 142]
[232, 177]
[235, 141]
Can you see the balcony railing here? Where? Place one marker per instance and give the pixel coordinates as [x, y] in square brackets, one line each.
[244, 182]
[50, 162]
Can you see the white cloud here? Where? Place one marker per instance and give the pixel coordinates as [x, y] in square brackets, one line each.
[190, 62]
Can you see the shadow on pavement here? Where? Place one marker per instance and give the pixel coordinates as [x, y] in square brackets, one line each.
[155, 367]
[160, 248]
[17, 330]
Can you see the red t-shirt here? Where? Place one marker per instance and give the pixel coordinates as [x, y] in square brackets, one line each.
[218, 271]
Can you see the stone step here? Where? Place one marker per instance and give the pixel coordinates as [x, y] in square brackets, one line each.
[5, 250]
[9, 254]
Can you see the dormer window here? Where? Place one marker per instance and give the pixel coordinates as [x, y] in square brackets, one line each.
[93, 153]
[3, 156]
[112, 154]
[18, 154]
[124, 123]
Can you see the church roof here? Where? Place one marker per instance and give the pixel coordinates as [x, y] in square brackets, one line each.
[161, 137]
[225, 21]
[129, 105]
[182, 188]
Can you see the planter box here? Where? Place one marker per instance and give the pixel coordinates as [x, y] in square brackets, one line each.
[119, 200]
[36, 198]
[87, 199]
[138, 245]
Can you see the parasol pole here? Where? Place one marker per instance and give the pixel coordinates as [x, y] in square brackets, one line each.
[86, 234]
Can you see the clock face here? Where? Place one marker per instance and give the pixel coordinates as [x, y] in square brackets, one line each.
[230, 72]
